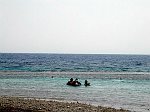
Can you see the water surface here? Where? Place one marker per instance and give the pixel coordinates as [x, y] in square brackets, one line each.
[120, 81]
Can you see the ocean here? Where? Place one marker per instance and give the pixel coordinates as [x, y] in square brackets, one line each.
[119, 81]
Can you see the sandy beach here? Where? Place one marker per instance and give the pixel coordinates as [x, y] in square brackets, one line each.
[15, 104]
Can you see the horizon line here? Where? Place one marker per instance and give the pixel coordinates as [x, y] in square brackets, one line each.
[74, 53]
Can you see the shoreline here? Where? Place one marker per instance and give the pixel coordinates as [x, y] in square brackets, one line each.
[22, 104]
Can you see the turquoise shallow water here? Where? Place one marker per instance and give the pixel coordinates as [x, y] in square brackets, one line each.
[120, 90]
[120, 81]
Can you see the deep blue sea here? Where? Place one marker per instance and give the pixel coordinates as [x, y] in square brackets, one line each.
[119, 81]
[74, 63]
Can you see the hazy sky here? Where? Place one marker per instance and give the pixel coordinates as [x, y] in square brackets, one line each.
[75, 26]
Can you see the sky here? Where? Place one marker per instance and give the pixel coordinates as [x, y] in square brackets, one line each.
[75, 26]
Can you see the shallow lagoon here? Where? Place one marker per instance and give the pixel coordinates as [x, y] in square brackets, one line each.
[126, 90]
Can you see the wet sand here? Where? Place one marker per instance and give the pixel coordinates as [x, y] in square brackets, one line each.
[15, 104]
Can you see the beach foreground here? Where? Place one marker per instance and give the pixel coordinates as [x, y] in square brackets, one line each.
[15, 104]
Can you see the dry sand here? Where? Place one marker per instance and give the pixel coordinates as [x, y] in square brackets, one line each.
[15, 104]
